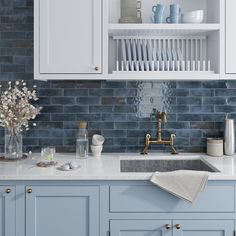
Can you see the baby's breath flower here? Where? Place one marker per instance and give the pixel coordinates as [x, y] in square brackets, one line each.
[15, 107]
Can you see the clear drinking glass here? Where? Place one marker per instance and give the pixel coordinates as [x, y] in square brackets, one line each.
[48, 154]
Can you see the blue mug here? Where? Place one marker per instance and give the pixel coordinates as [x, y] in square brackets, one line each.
[175, 14]
[158, 11]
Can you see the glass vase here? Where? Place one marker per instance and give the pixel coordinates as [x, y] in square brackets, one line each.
[13, 144]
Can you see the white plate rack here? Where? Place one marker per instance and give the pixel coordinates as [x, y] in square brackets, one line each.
[157, 53]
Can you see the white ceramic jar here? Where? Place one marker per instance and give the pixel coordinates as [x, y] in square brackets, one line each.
[215, 147]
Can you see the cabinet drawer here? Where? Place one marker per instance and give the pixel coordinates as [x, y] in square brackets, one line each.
[148, 198]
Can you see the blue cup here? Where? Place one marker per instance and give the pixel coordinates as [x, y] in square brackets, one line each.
[175, 14]
[158, 11]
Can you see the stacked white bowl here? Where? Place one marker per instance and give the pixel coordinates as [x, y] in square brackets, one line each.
[193, 17]
[97, 145]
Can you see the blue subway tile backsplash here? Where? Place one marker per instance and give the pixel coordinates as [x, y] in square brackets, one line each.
[119, 110]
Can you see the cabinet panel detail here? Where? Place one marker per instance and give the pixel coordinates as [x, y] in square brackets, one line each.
[70, 36]
[154, 199]
[62, 211]
[230, 37]
[203, 227]
[140, 228]
[7, 211]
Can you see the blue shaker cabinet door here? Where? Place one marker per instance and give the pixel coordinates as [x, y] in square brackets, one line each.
[7, 211]
[60, 211]
[140, 228]
[203, 227]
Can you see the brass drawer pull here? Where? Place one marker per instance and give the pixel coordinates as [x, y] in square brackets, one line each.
[167, 226]
[178, 226]
[8, 190]
[29, 190]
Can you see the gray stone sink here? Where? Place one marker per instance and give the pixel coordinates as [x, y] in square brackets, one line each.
[149, 165]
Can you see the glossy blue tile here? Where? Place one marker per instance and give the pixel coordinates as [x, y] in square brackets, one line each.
[119, 110]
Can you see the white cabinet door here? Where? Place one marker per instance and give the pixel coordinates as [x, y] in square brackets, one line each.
[230, 37]
[70, 36]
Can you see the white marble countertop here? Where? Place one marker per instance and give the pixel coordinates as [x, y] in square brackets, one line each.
[105, 168]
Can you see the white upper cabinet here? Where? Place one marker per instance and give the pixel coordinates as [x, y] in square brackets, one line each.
[83, 39]
[230, 62]
[68, 38]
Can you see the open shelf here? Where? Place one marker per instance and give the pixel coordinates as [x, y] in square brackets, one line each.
[211, 9]
[162, 29]
[148, 51]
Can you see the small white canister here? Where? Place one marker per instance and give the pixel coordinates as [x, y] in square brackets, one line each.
[215, 147]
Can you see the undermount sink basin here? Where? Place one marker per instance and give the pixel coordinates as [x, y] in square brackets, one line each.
[149, 165]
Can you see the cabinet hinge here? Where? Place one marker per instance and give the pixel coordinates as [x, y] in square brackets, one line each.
[109, 233]
[234, 233]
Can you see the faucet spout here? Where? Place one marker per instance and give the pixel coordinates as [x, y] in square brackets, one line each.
[161, 118]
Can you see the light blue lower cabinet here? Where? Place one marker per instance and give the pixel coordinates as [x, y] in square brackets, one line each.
[125, 208]
[140, 228]
[172, 228]
[60, 211]
[203, 227]
[7, 210]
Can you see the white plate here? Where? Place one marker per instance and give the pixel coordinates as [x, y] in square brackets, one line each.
[134, 50]
[154, 52]
[123, 49]
[139, 49]
[174, 54]
[149, 50]
[144, 50]
[169, 54]
[179, 54]
[164, 58]
[62, 169]
[175, 58]
[128, 48]
[159, 55]
[169, 58]
[129, 55]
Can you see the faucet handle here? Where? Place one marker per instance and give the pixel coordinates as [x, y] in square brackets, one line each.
[154, 113]
[164, 115]
[173, 136]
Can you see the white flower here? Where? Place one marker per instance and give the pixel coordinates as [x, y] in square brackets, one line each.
[15, 107]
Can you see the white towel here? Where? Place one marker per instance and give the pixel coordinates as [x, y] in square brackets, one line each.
[185, 184]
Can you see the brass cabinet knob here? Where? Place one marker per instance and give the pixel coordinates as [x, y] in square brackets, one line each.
[96, 68]
[29, 190]
[8, 190]
[167, 226]
[178, 226]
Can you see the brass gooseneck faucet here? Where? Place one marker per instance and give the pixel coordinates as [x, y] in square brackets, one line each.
[161, 118]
